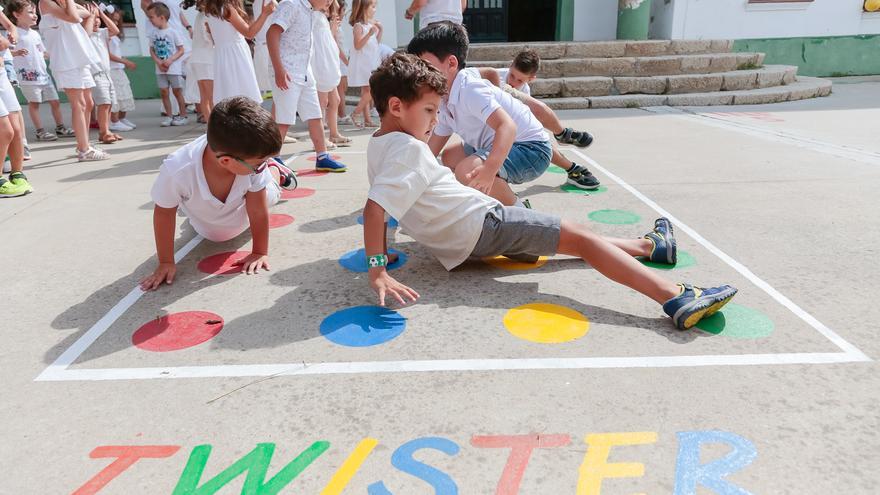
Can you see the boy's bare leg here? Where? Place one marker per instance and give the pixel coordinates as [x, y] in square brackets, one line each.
[166, 101]
[453, 155]
[500, 188]
[559, 159]
[545, 115]
[34, 111]
[613, 262]
[103, 114]
[16, 146]
[56, 112]
[283, 128]
[181, 103]
[316, 133]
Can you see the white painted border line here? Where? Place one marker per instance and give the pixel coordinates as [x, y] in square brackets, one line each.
[435, 365]
[829, 334]
[776, 135]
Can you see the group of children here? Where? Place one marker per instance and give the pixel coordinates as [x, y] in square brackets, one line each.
[460, 209]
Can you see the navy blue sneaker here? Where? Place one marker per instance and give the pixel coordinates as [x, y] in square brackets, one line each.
[286, 176]
[695, 303]
[663, 237]
[328, 164]
[581, 139]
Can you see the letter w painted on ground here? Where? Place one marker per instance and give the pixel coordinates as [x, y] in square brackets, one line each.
[256, 463]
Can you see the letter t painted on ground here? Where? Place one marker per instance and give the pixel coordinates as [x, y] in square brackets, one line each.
[521, 447]
[126, 456]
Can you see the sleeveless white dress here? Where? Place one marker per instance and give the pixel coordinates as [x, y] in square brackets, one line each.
[363, 62]
[325, 60]
[233, 67]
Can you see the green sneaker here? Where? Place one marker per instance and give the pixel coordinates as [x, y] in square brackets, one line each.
[10, 190]
[20, 180]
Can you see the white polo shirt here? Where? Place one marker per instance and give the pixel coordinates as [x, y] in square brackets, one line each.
[469, 104]
[181, 183]
[440, 10]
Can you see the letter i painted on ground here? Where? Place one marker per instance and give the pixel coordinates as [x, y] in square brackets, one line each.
[689, 473]
[403, 460]
[126, 456]
[521, 447]
[596, 467]
[256, 463]
[351, 465]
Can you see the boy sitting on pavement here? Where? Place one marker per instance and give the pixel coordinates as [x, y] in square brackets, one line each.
[456, 222]
[224, 182]
[502, 142]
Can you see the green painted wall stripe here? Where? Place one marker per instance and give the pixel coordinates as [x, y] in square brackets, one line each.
[565, 20]
[832, 56]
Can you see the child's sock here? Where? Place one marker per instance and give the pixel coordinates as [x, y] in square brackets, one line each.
[323, 155]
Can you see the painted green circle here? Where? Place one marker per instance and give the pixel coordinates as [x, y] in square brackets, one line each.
[614, 217]
[738, 322]
[684, 260]
[553, 169]
[576, 190]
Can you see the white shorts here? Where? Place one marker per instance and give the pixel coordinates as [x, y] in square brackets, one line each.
[299, 98]
[103, 93]
[201, 72]
[39, 93]
[7, 95]
[80, 78]
[261, 66]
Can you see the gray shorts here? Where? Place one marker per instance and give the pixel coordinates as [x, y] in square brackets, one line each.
[173, 81]
[515, 232]
[103, 92]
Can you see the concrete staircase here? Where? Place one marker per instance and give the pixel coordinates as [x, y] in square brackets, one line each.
[615, 74]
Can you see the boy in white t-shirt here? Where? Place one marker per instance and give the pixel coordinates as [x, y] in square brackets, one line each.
[431, 11]
[455, 222]
[33, 77]
[224, 182]
[167, 51]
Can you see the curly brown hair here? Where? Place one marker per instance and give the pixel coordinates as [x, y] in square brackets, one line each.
[406, 77]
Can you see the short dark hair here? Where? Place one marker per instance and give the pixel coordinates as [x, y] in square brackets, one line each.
[242, 128]
[160, 9]
[405, 76]
[527, 62]
[16, 6]
[442, 39]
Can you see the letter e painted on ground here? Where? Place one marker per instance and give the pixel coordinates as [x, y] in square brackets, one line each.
[402, 459]
[256, 463]
[126, 456]
[521, 447]
[595, 467]
[689, 473]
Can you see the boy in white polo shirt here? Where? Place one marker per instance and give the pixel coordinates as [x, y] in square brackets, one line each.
[502, 142]
[224, 182]
[289, 39]
[455, 222]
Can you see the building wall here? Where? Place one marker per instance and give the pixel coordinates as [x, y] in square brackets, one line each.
[595, 20]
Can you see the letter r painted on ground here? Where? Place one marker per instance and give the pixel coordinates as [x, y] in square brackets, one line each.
[595, 467]
[403, 460]
[126, 456]
[521, 447]
[689, 473]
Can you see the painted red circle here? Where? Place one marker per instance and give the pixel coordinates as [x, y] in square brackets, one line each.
[314, 157]
[177, 331]
[278, 220]
[301, 192]
[222, 263]
[310, 172]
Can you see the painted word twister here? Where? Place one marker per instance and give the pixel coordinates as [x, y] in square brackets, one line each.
[691, 469]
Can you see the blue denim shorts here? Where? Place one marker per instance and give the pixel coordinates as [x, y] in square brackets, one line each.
[526, 161]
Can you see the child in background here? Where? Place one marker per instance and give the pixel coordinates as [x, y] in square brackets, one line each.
[232, 56]
[72, 55]
[178, 22]
[261, 53]
[337, 10]
[224, 181]
[103, 94]
[201, 61]
[365, 57]
[11, 128]
[166, 48]
[456, 222]
[290, 49]
[325, 67]
[118, 64]
[30, 66]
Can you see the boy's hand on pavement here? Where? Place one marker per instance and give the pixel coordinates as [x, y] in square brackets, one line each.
[164, 274]
[481, 178]
[386, 285]
[252, 263]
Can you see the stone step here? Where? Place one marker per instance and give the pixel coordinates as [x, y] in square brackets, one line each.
[768, 76]
[802, 89]
[665, 65]
[598, 49]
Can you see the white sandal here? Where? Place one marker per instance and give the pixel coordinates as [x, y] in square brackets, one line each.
[92, 155]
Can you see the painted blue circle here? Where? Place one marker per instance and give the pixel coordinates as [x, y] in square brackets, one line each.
[392, 222]
[363, 326]
[356, 261]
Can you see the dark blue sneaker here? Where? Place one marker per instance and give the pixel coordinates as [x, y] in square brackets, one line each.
[695, 303]
[328, 164]
[663, 237]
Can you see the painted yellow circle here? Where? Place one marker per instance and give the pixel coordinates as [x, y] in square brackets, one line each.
[509, 264]
[544, 323]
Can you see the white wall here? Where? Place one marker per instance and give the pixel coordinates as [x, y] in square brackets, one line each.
[595, 19]
[661, 19]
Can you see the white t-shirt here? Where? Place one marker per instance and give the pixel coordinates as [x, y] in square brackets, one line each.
[436, 210]
[99, 39]
[174, 22]
[116, 49]
[181, 183]
[165, 42]
[31, 68]
[503, 73]
[296, 45]
[440, 10]
[471, 101]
